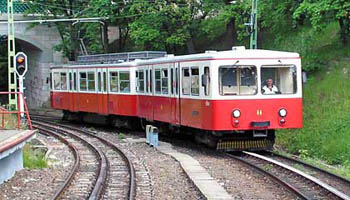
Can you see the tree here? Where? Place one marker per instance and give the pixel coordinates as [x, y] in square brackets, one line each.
[324, 11]
[70, 33]
[177, 24]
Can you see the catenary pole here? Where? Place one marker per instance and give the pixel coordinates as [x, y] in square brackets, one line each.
[254, 34]
[12, 77]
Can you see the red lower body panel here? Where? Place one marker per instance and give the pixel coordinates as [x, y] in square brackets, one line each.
[215, 115]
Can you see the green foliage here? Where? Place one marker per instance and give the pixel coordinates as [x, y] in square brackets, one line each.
[33, 159]
[320, 13]
[326, 132]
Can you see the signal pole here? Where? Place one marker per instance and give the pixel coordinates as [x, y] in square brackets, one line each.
[12, 78]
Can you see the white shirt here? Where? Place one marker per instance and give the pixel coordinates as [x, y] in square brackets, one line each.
[267, 90]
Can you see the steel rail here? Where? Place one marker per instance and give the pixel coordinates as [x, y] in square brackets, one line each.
[278, 180]
[310, 166]
[76, 154]
[103, 166]
[300, 173]
[132, 173]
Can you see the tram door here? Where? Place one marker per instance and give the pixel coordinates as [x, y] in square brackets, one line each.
[175, 94]
[102, 96]
[72, 77]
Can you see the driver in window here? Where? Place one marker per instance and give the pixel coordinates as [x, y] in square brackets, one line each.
[270, 88]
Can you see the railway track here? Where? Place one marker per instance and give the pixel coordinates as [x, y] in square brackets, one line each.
[313, 184]
[103, 170]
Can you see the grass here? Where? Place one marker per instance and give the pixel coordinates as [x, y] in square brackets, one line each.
[33, 158]
[326, 132]
[121, 136]
[325, 137]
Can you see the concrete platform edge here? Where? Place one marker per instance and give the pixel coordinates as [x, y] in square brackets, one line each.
[206, 184]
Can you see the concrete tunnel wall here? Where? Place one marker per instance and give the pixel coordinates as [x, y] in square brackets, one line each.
[37, 43]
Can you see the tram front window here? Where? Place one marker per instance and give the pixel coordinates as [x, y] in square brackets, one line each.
[237, 80]
[278, 80]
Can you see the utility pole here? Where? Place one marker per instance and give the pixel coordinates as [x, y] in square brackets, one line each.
[12, 77]
[252, 26]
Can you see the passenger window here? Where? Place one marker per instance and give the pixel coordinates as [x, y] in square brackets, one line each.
[50, 81]
[151, 81]
[83, 81]
[157, 80]
[186, 81]
[177, 81]
[206, 81]
[147, 82]
[113, 76]
[194, 81]
[124, 82]
[141, 82]
[56, 81]
[75, 81]
[91, 81]
[99, 80]
[172, 81]
[70, 81]
[64, 81]
[165, 89]
[104, 81]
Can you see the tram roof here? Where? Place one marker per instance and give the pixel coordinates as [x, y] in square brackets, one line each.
[238, 54]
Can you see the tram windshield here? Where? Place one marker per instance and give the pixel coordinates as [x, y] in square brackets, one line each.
[237, 80]
[278, 79]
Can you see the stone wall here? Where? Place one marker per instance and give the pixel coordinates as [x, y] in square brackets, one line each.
[37, 43]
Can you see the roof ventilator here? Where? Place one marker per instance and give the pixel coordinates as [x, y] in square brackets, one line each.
[238, 48]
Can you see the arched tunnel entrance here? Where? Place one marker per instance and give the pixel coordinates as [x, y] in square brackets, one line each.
[36, 84]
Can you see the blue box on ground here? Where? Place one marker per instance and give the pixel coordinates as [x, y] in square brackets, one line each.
[154, 136]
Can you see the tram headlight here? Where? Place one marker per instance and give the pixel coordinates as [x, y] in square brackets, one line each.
[282, 112]
[236, 113]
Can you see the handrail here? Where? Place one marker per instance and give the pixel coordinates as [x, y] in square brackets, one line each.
[4, 111]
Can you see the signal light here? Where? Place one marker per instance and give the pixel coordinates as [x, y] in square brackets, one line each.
[21, 63]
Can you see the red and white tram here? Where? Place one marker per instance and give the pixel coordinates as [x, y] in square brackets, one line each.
[218, 96]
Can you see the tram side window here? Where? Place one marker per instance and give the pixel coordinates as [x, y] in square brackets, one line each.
[194, 81]
[63, 81]
[278, 80]
[124, 82]
[171, 81]
[147, 82]
[83, 81]
[157, 80]
[206, 81]
[186, 81]
[99, 80]
[113, 76]
[165, 89]
[151, 81]
[176, 81]
[70, 81]
[75, 81]
[56, 81]
[104, 81]
[141, 82]
[91, 81]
